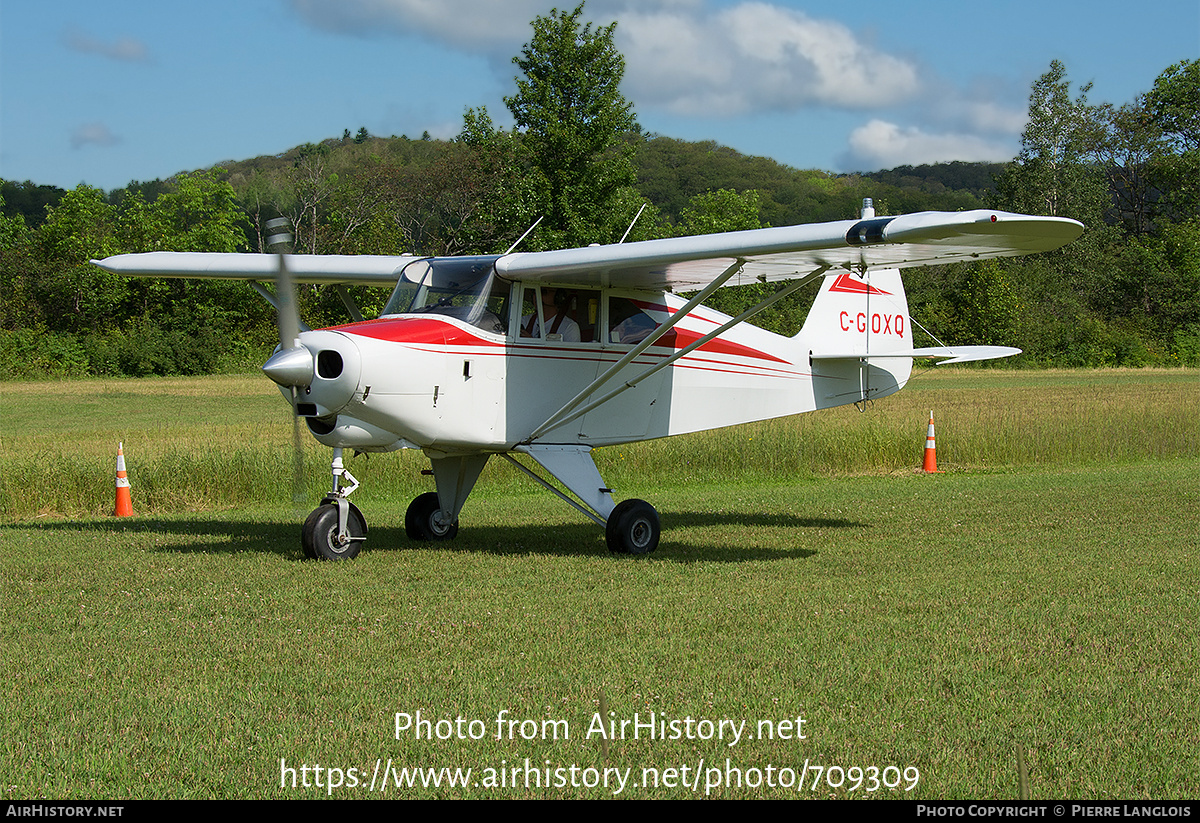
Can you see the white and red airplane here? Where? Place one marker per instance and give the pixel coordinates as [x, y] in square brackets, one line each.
[544, 356]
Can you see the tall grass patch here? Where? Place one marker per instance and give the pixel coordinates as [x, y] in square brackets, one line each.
[196, 444]
[985, 420]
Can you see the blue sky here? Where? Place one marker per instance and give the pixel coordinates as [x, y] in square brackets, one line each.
[108, 92]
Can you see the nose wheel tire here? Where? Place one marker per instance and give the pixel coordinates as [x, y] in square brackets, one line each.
[632, 528]
[319, 536]
[423, 520]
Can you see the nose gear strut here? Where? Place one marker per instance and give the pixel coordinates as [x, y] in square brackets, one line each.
[336, 529]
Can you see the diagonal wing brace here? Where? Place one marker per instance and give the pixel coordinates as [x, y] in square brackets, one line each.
[569, 412]
[560, 415]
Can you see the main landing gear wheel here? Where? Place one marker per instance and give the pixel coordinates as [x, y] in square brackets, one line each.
[423, 520]
[632, 528]
[320, 534]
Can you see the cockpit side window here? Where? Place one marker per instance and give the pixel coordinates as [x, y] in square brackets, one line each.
[559, 314]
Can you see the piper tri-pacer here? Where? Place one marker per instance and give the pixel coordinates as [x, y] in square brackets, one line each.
[540, 357]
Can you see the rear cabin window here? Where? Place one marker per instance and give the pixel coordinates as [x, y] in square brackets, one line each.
[627, 322]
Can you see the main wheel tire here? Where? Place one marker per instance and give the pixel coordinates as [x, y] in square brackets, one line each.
[632, 528]
[423, 520]
[320, 534]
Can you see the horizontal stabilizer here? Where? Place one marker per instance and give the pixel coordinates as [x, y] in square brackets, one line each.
[965, 354]
[955, 354]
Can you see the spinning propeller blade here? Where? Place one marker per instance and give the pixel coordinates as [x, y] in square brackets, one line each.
[292, 366]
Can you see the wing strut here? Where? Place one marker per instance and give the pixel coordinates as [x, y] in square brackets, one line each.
[554, 419]
[574, 468]
[348, 302]
[267, 295]
[629, 384]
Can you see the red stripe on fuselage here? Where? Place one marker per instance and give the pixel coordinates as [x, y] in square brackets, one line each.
[718, 345]
[416, 330]
[432, 331]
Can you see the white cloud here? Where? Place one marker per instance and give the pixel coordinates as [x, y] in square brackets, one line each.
[93, 134]
[984, 105]
[482, 24]
[680, 54]
[883, 145]
[754, 57]
[692, 58]
[124, 49]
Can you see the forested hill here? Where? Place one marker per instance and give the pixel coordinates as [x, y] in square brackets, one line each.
[670, 173]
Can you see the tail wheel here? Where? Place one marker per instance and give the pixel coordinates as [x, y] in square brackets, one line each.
[423, 520]
[632, 528]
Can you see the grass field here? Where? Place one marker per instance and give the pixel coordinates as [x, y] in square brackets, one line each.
[1040, 596]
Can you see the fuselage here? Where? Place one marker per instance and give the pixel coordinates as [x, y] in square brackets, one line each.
[436, 381]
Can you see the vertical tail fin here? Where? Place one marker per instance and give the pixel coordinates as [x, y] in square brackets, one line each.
[858, 316]
[854, 334]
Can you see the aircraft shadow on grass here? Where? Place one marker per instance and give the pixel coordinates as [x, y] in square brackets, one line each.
[237, 536]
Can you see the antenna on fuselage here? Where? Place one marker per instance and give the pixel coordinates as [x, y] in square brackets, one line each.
[526, 234]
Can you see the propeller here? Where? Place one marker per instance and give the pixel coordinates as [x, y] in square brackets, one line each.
[292, 366]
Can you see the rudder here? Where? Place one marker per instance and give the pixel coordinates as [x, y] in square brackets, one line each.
[855, 330]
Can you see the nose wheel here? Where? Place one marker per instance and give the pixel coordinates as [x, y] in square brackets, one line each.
[336, 530]
[326, 537]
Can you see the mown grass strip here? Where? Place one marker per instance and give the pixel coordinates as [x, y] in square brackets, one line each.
[942, 622]
[928, 621]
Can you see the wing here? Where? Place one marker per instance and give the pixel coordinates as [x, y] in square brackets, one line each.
[685, 263]
[678, 264]
[361, 270]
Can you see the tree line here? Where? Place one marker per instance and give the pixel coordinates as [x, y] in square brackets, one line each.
[1126, 293]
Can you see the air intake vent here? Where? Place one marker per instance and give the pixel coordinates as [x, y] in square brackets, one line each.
[329, 364]
[321, 425]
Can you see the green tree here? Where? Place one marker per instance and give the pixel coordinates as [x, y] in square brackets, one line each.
[576, 124]
[201, 213]
[719, 211]
[1054, 173]
[72, 293]
[17, 308]
[510, 192]
[1174, 107]
[1131, 142]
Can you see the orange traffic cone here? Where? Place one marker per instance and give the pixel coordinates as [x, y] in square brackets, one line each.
[124, 506]
[930, 465]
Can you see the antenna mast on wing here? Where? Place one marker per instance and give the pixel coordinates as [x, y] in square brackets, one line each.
[523, 236]
[632, 222]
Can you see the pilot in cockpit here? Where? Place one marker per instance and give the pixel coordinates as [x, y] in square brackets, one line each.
[558, 326]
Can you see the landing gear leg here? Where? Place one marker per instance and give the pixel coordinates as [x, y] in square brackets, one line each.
[336, 530]
[434, 515]
[630, 527]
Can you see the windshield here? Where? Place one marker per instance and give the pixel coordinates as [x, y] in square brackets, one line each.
[465, 288]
